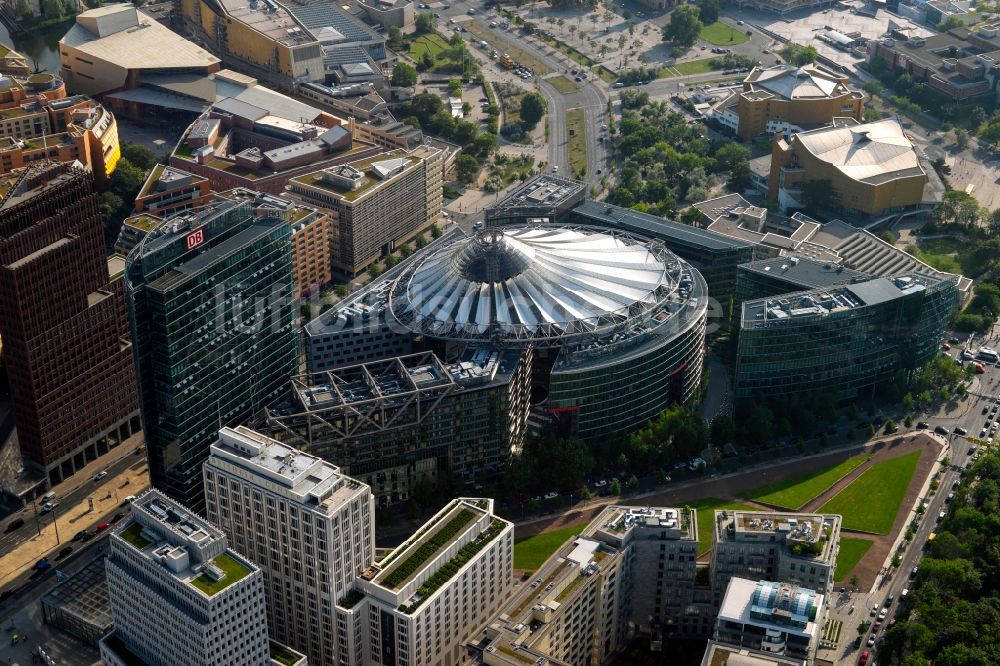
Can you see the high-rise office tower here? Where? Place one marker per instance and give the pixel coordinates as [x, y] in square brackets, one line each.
[62, 320]
[307, 526]
[212, 318]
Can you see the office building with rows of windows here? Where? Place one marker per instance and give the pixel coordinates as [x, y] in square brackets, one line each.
[180, 597]
[308, 527]
[212, 316]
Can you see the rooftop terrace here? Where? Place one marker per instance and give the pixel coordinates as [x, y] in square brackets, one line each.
[188, 548]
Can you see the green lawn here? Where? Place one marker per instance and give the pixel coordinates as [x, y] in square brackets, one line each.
[721, 34]
[576, 131]
[692, 67]
[531, 552]
[871, 502]
[851, 552]
[795, 492]
[606, 74]
[432, 43]
[563, 85]
[706, 514]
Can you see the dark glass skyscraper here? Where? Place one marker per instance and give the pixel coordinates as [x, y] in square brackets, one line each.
[62, 318]
[212, 316]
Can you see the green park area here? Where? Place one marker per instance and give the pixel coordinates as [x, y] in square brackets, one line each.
[427, 43]
[702, 66]
[706, 509]
[851, 552]
[795, 492]
[871, 502]
[531, 552]
[722, 34]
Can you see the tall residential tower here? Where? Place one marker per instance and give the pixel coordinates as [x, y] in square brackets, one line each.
[211, 311]
[310, 528]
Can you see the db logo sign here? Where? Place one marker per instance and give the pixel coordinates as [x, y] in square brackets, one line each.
[195, 238]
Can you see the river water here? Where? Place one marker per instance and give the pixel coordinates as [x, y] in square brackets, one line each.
[41, 47]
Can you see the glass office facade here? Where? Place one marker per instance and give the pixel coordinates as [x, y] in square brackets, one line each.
[846, 339]
[618, 387]
[212, 316]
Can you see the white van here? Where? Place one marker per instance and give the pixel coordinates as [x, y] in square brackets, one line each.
[49, 496]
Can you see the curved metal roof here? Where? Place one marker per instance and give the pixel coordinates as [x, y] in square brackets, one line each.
[536, 282]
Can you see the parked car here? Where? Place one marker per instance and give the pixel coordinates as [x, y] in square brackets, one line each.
[923, 425]
[959, 430]
[941, 430]
[551, 495]
[64, 552]
[103, 526]
[100, 475]
[17, 523]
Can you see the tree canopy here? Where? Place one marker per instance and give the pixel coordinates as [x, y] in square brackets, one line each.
[532, 109]
[950, 614]
[708, 11]
[403, 75]
[798, 55]
[684, 26]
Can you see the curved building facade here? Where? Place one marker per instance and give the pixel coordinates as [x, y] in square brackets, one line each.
[618, 322]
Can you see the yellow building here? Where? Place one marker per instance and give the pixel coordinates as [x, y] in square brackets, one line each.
[788, 99]
[257, 36]
[39, 122]
[871, 168]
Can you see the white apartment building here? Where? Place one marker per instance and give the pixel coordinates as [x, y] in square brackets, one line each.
[424, 600]
[798, 548]
[308, 527]
[632, 568]
[770, 617]
[180, 597]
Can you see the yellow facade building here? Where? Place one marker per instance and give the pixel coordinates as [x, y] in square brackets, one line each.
[260, 37]
[871, 168]
[788, 99]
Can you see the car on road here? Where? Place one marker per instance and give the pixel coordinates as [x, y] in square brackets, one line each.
[102, 526]
[950, 497]
[882, 613]
[959, 430]
[64, 552]
[48, 506]
[600, 484]
[739, 23]
[80, 536]
[871, 640]
[118, 516]
[100, 475]
[972, 450]
[941, 515]
[874, 611]
[982, 433]
[923, 425]
[15, 524]
[941, 430]
[551, 495]
[906, 591]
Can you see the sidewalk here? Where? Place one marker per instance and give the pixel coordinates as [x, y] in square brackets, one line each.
[71, 520]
